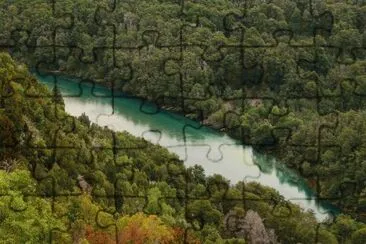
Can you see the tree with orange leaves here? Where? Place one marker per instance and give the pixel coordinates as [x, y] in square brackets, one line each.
[141, 228]
[98, 237]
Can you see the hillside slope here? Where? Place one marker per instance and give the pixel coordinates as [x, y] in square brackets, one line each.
[283, 76]
[65, 176]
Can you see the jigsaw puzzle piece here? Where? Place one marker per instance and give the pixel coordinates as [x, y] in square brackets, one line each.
[126, 29]
[30, 206]
[60, 135]
[25, 199]
[244, 66]
[38, 39]
[242, 217]
[313, 18]
[200, 214]
[126, 174]
[242, 122]
[108, 222]
[192, 90]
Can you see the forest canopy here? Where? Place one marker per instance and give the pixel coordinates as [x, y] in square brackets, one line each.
[286, 77]
[72, 194]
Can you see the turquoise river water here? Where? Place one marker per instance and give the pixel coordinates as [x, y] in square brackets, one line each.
[216, 152]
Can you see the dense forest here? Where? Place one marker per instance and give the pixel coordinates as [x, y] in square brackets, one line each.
[62, 179]
[287, 77]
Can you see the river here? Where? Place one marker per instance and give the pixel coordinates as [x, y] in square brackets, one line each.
[216, 152]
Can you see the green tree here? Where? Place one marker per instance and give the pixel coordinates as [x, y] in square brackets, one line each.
[359, 236]
[24, 219]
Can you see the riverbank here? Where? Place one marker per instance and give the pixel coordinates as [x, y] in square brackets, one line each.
[270, 149]
[237, 164]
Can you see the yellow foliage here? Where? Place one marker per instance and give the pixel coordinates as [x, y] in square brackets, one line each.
[141, 228]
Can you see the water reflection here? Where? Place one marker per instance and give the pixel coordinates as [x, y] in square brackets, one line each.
[216, 152]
